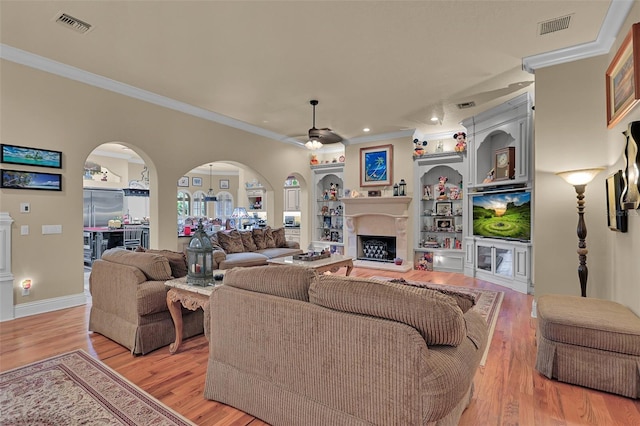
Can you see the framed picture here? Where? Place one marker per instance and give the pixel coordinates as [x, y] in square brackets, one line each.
[623, 78]
[376, 164]
[20, 179]
[444, 208]
[196, 181]
[444, 224]
[375, 193]
[224, 183]
[183, 181]
[12, 154]
[617, 216]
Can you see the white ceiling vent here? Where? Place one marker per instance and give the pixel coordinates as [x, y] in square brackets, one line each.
[465, 105]
[73, 23]
[553, 25]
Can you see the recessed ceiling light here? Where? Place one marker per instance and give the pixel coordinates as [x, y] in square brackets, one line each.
[434, 118]
[366, 129]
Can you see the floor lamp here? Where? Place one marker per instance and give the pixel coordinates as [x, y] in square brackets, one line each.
[579, 179]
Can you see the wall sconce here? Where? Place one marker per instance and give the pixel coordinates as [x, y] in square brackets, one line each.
[630, 196]
[579, 179]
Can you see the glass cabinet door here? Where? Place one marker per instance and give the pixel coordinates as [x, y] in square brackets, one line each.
[484, 258]
[504, 262]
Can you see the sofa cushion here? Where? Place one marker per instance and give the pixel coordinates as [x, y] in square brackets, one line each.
[436, 316]
[231, 241]
[259, 238]
[291, 282]
[177, 260]
[269, 241]
[279, 237]
[465, 299]
[279, 252]
[154, 266]
[247, 258]
[247, 241]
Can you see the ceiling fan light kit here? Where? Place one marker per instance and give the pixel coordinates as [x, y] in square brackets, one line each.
[320, 137]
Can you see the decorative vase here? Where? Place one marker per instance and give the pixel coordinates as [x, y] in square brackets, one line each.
[397, 261]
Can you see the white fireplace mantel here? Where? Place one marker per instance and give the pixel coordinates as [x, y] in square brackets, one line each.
[395, 206]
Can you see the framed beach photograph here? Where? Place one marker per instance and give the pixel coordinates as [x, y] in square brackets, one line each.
[196, 181]
[623, 78]
[224, 183]
[376, 165]
[13, 154]
[444, 208]
[183, 181]
[20, 179]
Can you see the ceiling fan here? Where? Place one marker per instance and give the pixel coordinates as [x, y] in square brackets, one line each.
[319, 137]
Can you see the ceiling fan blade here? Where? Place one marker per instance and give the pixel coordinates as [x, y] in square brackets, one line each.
[326, 136]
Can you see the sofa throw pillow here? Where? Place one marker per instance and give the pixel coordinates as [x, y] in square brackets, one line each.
[214, 241]
[270, 242]
[247, 241]
[287, 281]
[231, 241]
[177, 260]
[154, 266]
[434, 315]
[259, 238]
[464, 300]
[279, 238]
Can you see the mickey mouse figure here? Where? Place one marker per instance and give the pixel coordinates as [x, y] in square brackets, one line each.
[418, 147]
[461, 141]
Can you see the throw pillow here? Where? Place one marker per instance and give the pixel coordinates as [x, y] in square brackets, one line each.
[214, 241]
[247, 241]
[259, 238]
[464, 300]
[177, 260]
[231, 241]
[268, 238]
[279, 238]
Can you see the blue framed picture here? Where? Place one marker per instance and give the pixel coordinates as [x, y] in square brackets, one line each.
[376, 165]
[20, 179]
[13, 154]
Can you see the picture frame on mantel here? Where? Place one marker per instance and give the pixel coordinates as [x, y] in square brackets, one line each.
[623, 78]
[376, 165]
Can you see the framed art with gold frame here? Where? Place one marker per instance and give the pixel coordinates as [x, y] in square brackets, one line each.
[623, 78]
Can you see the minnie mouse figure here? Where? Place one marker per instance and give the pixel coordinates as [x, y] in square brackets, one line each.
[461, 141]
[418, 147]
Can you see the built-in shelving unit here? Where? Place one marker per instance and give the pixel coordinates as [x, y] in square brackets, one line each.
[328, 224]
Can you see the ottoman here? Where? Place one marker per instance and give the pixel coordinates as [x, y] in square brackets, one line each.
[589, 342]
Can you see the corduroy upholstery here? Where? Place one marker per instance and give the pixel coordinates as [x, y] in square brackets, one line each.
[291, 362]
[589, 342]
[131, 309]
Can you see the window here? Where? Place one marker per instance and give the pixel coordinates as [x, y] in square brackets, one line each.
[184, 201]
[224, 206]
[199, 208]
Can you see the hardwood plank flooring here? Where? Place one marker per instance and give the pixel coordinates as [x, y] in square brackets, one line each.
[508, 389]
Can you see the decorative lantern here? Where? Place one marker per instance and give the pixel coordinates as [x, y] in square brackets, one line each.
[402, 188]
[395, 189]
[200, 258]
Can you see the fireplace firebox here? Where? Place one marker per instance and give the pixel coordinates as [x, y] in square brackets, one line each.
[376, 248]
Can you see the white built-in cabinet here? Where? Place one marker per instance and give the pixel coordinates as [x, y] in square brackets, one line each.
[291, 199]
[328, 215]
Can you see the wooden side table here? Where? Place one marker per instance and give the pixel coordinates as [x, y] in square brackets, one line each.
[191, 297]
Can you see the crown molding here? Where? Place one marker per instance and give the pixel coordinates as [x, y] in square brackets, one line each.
[379, 137]
[616, 15]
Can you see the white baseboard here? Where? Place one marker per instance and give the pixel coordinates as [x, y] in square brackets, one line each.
[49, 305]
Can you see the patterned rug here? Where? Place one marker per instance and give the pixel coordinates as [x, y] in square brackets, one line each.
[76, 389]
[488, 303]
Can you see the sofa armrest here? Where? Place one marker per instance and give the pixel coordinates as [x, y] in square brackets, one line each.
[293, 244]
[219, 256]
[114, 288]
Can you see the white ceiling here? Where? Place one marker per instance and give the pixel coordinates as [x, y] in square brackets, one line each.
[386, 65]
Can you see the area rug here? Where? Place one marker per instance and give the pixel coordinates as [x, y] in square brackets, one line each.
[488, 303]
[76, 389]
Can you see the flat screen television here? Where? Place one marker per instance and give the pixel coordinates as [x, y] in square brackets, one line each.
[505, 215]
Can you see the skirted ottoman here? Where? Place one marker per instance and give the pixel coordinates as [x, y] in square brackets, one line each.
[589, 342]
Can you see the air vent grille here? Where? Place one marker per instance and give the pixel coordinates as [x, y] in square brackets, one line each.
[73, 23]
[465, 105]
[553, 25]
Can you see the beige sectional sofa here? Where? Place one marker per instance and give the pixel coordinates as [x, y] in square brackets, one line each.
[129, 299]
[292, 347]
[250, 248]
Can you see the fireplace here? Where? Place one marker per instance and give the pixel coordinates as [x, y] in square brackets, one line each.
[377, 248]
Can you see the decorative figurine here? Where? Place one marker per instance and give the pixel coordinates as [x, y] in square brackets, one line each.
[442, 189]
[490, 176]
[461, 141]
[418, 147]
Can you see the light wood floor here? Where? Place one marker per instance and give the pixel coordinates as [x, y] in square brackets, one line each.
[508, 390]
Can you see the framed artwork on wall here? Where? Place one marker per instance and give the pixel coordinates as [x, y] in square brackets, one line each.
[20, 179]
[13, 154]
[196, 181]
[183, 181]
[623, 78]
[224, 183]
[376, 165]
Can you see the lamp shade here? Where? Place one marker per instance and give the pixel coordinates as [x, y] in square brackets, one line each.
[313, 144]
[580, 176]
[239, 212]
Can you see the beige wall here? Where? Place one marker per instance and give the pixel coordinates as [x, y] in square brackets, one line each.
[571, 133]
[50, 112]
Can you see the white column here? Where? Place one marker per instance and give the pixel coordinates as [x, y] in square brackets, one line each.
[6, 277]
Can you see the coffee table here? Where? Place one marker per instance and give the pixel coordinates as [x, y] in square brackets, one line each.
[191, 297]
[328, 264]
